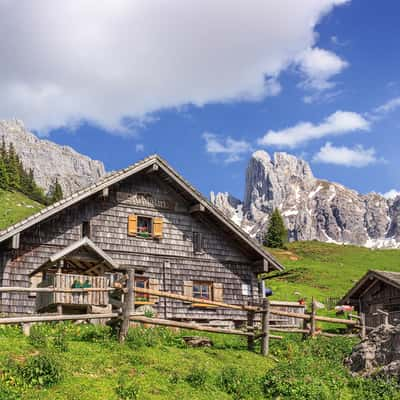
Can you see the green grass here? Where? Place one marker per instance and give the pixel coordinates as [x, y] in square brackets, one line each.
[155, 364]
[14, 207]
[326, 270]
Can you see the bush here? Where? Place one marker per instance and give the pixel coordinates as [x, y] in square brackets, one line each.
[197, 377]
[127, 389]
[40, 370]
[233, 381]
[375, 389]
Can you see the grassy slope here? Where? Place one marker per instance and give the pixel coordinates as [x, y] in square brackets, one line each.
[15, 206]
[92, 367]
[326, 270]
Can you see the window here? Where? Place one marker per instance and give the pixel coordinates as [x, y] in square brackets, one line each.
[146, 227]
[143, 283]
[198, 242]
[202, 290]
[86, 229]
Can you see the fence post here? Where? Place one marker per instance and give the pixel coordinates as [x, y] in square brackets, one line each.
[265, 327]
[363, 329]
[128, 306]
[250, 329]
[313, 321]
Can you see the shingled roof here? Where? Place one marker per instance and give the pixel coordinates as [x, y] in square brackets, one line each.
[391, 278]
[115, 177]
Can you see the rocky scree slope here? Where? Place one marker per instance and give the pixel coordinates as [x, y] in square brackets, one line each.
[313, 209]
[50, 161]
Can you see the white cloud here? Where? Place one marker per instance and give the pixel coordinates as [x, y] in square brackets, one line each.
[231, 149]
[139, 147]
[105, 61]
[389, 106]
[338, 123]
[391, 194]
[319, 66]
[349, 157]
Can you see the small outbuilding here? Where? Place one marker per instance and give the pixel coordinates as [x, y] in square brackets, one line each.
[376, 291]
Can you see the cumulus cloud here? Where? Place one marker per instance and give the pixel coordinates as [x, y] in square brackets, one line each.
[108, 62]
[391, 194]
[230, 149]
[357, 156]
[319, 66]
[338, 123]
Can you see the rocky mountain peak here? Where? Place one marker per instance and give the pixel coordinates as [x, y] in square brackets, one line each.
[50, 161]
[312, 208]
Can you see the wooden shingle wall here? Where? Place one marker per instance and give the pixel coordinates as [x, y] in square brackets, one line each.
[169, 260]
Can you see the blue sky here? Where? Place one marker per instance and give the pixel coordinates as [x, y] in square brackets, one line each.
[206, 85]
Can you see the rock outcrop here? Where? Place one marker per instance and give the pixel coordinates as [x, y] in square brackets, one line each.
[378, 354]
[313, 209]
[50, 161]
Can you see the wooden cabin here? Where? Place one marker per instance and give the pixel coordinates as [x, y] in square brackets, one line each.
[376, 290]
[145, 217]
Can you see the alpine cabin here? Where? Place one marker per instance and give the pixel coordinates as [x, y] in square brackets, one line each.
[377, 293]
[145, 217]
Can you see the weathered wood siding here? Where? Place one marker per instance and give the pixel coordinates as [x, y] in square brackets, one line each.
[170, 261]
[381, 296]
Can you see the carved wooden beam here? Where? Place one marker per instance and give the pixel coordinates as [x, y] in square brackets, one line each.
[261, 265]
[105, 192]
[197, 208]
[153, 168]
[15, 241]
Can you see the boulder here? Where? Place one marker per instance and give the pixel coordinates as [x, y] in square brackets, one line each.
[378, 354]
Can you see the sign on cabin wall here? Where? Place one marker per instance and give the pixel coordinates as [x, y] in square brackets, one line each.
[145, 200]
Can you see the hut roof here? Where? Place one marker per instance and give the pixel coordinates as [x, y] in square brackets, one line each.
[82, 256]
[370, 278]
[171, 177]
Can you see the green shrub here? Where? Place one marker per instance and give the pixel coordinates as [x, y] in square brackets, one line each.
[40, 370]
[375, 389]
[127, 389]
[8, 392]
[235, 382]
[94, 333]
[38, 337]
[197, 377]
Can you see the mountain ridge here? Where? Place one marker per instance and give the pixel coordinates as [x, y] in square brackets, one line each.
[50, 161]
[313, 208]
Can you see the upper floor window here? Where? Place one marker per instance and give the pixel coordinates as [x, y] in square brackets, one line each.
[143, 226]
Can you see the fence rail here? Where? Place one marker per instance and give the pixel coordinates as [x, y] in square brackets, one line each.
[128, 314]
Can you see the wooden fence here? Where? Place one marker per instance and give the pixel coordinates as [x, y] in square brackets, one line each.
[252, 333]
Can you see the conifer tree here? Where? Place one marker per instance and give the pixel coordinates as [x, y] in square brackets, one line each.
[4, 180]
[57, 193]
[276, 235]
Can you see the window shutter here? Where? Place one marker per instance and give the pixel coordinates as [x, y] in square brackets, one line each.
[158, 227]
[154, 284]
[132, 225]
[188, 288]
[218, 292]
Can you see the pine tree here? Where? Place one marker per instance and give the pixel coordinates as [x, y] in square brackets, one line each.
[57, 193]
[276, 235]
[13, 167]
[4, 180]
